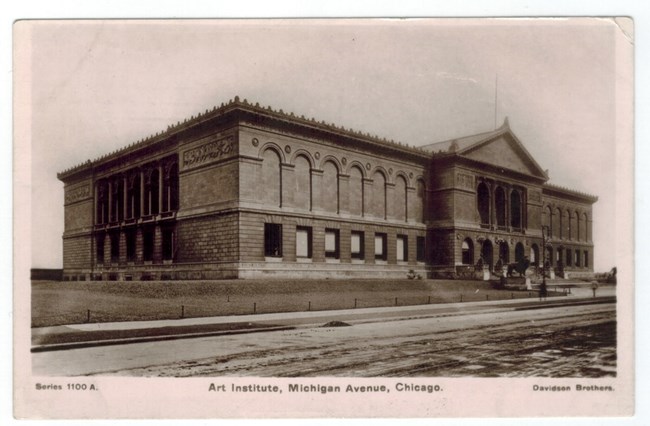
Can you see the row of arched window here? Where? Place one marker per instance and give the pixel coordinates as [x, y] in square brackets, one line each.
[490, 256]
[144, 191]
[502, 208]
[365, 195]
[567, 224]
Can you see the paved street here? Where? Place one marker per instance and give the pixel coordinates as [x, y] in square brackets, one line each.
[564, 341]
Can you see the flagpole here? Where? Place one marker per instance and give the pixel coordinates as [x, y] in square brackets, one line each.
[496, 94]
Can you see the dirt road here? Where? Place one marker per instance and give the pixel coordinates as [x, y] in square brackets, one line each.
[567, 341]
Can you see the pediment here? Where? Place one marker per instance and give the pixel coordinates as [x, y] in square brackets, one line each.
[506, 152]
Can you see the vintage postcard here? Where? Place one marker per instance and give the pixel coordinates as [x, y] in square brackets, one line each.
[316, 218]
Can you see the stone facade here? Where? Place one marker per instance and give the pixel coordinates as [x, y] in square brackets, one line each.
[244, 191]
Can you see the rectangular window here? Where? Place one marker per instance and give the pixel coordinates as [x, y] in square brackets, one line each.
[576, 259]
[419, 249]
[402, 248]
[568, 257]
[356, 245]
[332, 243]
[115, 247]
[303, 241]
[586, 259]
[272, 240]
[380, 246]
[100, 248]
[168, 244]
[147, 244]
[130, 246]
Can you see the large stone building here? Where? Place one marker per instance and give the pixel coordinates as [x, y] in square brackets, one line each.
[244, 191]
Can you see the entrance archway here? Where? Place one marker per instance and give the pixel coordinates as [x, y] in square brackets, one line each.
[519, 252]
[504, 253]
[486, 253]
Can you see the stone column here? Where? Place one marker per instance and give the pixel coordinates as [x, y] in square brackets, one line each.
[316, 186]
[125, 198]
[107, 250]
[344, 193]
[122, 258]
[411, 197]
[96, 202]
[139, 246]
[157, 245]
[389, 194]
[367, 199]
[160, 189]
[288, 184]
[110, 201]
[141, 193]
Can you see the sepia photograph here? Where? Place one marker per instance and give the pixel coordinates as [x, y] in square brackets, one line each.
[300, 212]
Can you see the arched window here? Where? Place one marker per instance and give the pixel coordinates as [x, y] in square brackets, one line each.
[504, 253]
[547, 219]
[271, 178]
[118, 200]
[486, 254]
[467, 252]
[500, 206]
[515, 210]
[519, 252]
[557, 223]
[330, 189]
[133, 197]
[170, 189]
[579, 234]
[585, 226]
[101, 215]
[355, 193]
[379, 195]
[483, 203]
[420, 201]
[569, 227]
[302, 190]
[152, 193]
[400, 199]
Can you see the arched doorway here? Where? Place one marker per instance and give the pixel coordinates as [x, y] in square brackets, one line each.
[519, 252]
[504, 253]
[467, 252]
[486, 253]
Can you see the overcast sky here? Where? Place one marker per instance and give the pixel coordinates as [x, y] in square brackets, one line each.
[97, 86]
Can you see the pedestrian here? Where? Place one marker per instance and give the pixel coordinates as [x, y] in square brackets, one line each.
[594, 287]
[543, 291]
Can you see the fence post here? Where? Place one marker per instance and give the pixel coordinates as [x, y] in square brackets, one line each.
[88, 316]
[396, 301]
[461, 298]
[254, 307]
[512, 295]
[487, 297]
[355, 303]
[309, 307]
[429, 300]
[182, 311]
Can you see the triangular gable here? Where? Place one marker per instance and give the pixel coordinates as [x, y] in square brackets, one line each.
[505, 151]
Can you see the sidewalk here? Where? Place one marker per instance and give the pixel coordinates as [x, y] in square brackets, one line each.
[95, 334]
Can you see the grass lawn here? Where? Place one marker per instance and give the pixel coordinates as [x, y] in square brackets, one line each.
[57, 303]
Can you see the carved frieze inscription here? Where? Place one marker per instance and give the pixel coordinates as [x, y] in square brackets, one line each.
[208, 152]
[464, 180]
[535, 196]
[77, 193]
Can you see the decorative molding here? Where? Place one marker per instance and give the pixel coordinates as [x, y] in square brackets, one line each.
[317, 155]
[344, 161]
[255, 142]
[465, 180]
[208, 152]
[287, 149]
[77, 193]
[368, 166]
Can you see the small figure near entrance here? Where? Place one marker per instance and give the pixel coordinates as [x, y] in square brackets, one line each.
[594, 287]
[543, 291]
